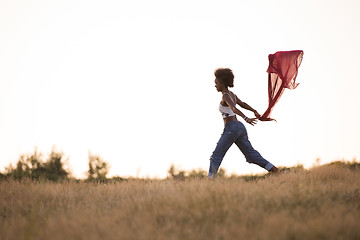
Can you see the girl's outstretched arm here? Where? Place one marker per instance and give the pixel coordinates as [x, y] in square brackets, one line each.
[246, 106]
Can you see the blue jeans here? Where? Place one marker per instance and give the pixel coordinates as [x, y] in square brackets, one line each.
[235, 132]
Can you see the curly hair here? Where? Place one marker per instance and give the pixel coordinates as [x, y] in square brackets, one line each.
[226, 76]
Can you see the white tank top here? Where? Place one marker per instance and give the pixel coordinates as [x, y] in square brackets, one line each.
[226, 111]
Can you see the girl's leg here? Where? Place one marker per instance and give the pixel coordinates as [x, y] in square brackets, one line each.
[251, 155]
[225, 142]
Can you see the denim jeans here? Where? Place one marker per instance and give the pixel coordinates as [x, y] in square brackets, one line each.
[235, 132]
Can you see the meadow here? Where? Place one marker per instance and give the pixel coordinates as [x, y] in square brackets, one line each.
[320, 203]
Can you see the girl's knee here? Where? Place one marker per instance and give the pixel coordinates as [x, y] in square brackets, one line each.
[250, 160]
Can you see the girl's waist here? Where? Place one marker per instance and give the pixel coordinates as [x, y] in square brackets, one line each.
[230, 120]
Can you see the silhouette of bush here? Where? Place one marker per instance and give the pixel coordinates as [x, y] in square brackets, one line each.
[197, 174]
[98, 168]
[175, 173]
[31, 166]
[54, 167]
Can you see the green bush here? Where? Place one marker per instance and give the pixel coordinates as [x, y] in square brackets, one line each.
[31, 166]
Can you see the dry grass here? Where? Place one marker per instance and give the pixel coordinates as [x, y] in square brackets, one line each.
[323, 203]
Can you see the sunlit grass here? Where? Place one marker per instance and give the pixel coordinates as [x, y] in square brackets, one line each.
[322, 203]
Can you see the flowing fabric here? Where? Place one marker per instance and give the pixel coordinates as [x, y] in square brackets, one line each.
[282, 70]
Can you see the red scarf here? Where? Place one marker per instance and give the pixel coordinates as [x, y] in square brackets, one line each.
[282, 70]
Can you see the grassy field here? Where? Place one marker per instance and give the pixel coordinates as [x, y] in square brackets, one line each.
[321, 203]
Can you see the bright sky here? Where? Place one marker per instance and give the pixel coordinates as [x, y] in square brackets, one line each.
[132, 81]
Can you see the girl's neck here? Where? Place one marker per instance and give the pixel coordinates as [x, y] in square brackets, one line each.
[225, 91]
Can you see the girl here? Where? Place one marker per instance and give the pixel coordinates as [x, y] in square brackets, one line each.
[234, 131]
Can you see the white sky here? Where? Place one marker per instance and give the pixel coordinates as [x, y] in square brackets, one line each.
[132, 81]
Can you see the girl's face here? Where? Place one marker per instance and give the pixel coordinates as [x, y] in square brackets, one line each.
[218, 85]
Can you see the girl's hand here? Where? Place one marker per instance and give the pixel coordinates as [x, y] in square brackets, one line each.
[257, 115]
[251, 121]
